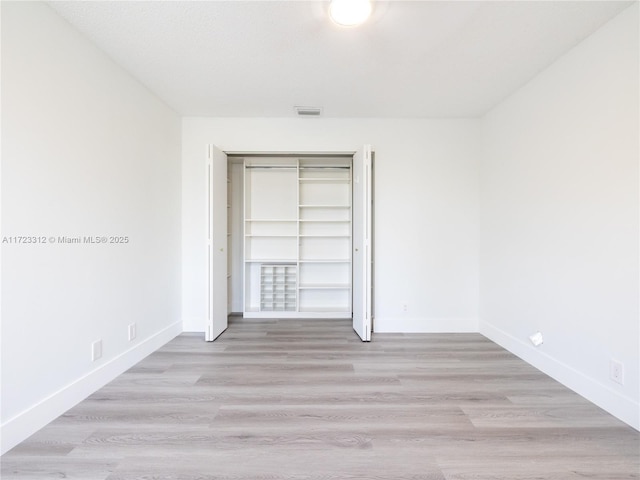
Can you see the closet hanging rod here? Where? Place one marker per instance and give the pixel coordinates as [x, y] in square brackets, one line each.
[288, 167]
[325, 167]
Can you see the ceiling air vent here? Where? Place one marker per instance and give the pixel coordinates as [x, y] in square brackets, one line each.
[308, 111]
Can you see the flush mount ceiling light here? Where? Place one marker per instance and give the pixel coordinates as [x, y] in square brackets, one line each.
[349, 13]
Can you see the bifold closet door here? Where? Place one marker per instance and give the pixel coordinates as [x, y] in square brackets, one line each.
[362, 204]
[216, 243]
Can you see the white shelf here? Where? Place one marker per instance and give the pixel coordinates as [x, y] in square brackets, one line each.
[270, 220]
[324, 286]
[323, 221]
[326, 308]
[325, 206]
[292, 261]
[324, 180]
[326, 260]
[325, 236]
[250, 235]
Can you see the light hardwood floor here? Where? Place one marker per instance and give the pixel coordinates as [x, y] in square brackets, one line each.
[306, 400]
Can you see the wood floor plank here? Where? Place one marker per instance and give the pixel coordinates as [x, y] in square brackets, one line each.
[375, 423]
[276, 464]
[536, 416]
[125, 413]
[48, 468]
[307, 400]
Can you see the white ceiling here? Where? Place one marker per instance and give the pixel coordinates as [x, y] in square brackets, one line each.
[411, 59]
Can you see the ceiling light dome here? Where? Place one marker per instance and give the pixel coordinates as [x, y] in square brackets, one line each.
[349, 13]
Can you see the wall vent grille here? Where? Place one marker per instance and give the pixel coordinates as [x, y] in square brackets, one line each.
[308, 111]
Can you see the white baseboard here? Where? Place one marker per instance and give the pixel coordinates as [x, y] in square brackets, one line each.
[297, 315]
[620, 406]
[425, 325]
[194, 324]
[26, 423]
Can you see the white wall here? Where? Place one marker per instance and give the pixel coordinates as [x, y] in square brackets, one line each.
[86, 150]
[559, 218]
[426, 195]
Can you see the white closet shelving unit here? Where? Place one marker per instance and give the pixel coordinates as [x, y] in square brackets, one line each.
[297, 237]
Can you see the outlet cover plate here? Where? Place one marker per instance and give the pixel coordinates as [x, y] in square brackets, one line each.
[536, 339]
[616, 371]
[96, 350]
[132, 331]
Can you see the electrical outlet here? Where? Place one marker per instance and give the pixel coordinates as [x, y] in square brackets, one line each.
[405, 308]
[536, 339]
[616, 371]
[132, 331]
[96, 350]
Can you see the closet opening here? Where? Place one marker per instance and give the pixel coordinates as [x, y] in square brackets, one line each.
[295, 239]
[290, 236]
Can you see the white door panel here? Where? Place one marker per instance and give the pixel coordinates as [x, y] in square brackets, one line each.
[362, 202]
[216, 243]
